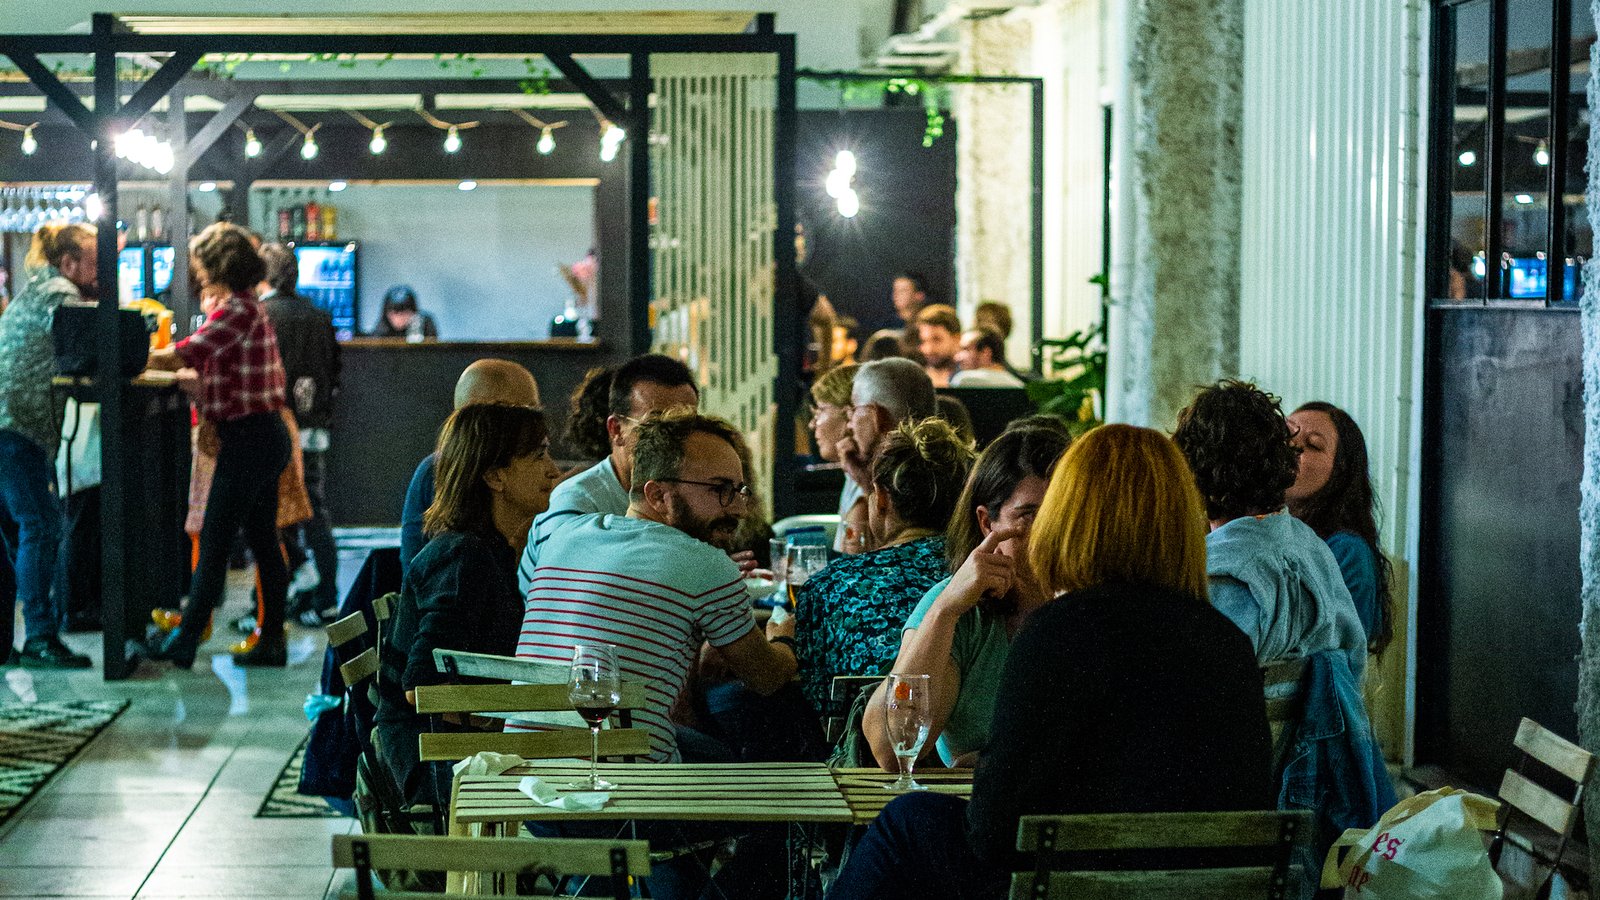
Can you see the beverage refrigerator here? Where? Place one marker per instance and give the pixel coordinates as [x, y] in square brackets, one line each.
[329, 278]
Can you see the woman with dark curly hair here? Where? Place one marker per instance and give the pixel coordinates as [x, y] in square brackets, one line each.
[587, 412]
[1332, 493]
[1268, 571]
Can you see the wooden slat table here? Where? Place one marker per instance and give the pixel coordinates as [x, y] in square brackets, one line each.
[863, 788]
[735, 792]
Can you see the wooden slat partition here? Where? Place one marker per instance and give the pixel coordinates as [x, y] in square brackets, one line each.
[346, 629]
[564, 743]
[1125, 831]
[508, 698]
[561, 856]
[1177, 884]
[1541, 805]
[362, 667]
[1554, 751]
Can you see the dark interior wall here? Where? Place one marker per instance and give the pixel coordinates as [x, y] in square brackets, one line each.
[1498, 620]
[908, 210]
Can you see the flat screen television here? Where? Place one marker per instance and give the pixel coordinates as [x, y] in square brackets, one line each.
[130, 275]
[161, 261]
[328, 279]
[1528, 279]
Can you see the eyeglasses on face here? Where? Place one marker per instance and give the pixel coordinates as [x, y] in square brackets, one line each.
[727, 491]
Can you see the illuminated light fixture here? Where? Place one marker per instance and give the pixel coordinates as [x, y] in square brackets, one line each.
[1480, 265]
[309, 149]
[379, 143]
[467, 185]
[1541, 154]
[547, 131]
[1467, 158]
[252, 144]
[93, 208]
[207, 187]
[547, 142]
[337, 186]
[29, 145]
[849, 204]
[838, 184]
[1524, 199]
[452, 140]
[145, 150]
[611, 138]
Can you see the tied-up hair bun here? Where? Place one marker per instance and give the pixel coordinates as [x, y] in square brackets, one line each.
[923, 465]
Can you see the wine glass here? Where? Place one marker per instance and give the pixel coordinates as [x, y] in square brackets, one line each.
[909, 718]
[595, 689]
[805, 560]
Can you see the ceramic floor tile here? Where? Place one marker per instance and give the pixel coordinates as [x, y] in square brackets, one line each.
[54, 881]
[237, 881]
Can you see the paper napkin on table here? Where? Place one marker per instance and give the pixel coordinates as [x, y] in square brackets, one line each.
[545, 794]
[487, 763]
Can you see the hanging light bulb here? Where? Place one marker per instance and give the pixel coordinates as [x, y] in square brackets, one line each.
[252, 145]
[379, 143]
[849, 204]
[309, 149]
[93, 208]
[547, 142]
[1467, 158]
[452, 140]
[1541, 154]
[838, 184]
[610, 140]
[29, 145]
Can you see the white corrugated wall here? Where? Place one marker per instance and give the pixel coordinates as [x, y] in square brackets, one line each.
[1331, 281]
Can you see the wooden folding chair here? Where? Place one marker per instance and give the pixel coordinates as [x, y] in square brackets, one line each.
[844, 690]
[1281, 683]
[1543, 806]
[555, 858]
[547, 693]
[358, 667]
[1264, 831]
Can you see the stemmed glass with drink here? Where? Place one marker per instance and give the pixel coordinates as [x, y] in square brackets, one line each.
[595, 689]
[910, 716]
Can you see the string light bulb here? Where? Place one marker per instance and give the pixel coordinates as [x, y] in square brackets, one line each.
[93, 208]
[1541, 154]
[379, 143]
[309, 149]
[29, 145]
[611, 139]
[452, 140]
[838, 184]
[252, 144]
[547, 141]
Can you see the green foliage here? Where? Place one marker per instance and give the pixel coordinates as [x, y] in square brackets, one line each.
[935, 97]
[1081, 355]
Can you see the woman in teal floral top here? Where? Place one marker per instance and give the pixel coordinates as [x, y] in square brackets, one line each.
[849, 616]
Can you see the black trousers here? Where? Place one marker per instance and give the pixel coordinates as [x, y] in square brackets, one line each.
[244, 495]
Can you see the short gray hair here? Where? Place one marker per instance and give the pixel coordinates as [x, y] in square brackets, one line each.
[899, 386]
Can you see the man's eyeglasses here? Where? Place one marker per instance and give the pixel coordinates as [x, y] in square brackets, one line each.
[727, 491]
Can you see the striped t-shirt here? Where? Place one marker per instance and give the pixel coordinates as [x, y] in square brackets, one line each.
[650, 590]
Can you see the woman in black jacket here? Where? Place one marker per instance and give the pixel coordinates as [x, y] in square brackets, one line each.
[460, 593]
[1126, 693]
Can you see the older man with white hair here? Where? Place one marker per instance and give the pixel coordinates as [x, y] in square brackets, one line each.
[885, 393]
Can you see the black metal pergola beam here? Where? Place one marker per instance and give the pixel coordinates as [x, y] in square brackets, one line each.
[216, 126]
[53, 89]
[385, 44]
[597, 93]
[159, 85]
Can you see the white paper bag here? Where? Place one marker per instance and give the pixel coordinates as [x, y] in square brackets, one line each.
[1428, 846]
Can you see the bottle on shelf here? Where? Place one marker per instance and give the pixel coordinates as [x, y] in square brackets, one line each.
[297, 217]
[313, 219]
[141, 224]
[158, 224]
[330, 222]
[285, 218]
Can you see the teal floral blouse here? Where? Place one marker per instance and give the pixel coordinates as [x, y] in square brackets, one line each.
[849, 617]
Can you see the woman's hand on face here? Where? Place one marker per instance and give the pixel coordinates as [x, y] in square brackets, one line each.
[854, 461]
[986, 573]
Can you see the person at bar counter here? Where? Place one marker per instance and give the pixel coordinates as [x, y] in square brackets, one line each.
[656, 583]
[240, 391]
[961, 630]
[1128, 692]
[484, 381]
[938, 339]
[401, 317]
[311, 364]
[641, 386]
[494, 474]
[60, 268]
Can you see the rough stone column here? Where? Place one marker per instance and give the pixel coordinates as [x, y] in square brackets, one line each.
[1180, 317]
[1589, 504]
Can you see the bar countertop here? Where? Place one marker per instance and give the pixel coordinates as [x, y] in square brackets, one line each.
[559, 344]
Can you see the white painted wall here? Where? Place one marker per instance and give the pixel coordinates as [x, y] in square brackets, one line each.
[1332, 274]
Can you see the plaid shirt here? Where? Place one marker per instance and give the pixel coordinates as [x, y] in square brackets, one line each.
[236, 353]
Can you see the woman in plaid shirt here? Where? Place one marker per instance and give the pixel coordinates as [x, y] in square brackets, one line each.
[240, 392]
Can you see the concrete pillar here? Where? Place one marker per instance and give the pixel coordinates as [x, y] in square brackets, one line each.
[1589, 502]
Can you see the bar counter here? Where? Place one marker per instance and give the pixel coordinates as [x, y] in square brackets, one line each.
[395, 395]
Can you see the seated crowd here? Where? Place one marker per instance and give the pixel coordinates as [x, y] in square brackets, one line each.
[1095, 614]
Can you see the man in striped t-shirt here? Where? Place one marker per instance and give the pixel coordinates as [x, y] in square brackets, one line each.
[658, 582]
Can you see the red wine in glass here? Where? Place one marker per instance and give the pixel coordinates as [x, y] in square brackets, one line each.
[595, 715]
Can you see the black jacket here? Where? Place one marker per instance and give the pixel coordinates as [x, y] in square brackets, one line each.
[1122, 698]
[310, 357]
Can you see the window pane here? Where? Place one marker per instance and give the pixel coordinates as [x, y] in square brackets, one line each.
[1525, 162]
[1579, 236]
[1468, 96]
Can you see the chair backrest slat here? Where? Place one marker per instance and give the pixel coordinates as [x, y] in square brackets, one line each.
[509, 698]
[382, 607]
[363, 666]
[1554, 751]
[844, 688]
[560, 744]
[498, 668]
[561, 856]
[1541, 805]
[1174, 884]
[346, 629]
[1125, 831]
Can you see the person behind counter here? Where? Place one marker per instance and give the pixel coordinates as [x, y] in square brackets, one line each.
[240, 392]
[402, 319]
[60, 268]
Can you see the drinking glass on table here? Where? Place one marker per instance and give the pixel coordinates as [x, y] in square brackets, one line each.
[908, 720]
[805, 560]
[595, 689]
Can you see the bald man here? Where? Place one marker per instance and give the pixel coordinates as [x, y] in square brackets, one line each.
[485, 381]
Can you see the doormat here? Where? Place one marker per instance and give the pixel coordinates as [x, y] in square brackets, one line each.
[284, 800]
[38, 739]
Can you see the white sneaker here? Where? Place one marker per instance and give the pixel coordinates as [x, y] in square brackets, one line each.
[305, 579]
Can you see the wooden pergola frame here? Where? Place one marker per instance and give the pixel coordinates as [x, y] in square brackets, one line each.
[562, 39]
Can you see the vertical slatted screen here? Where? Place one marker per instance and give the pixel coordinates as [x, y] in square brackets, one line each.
[712, 235]
[1332, 284]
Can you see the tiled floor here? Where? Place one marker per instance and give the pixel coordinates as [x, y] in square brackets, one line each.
[162, 803]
